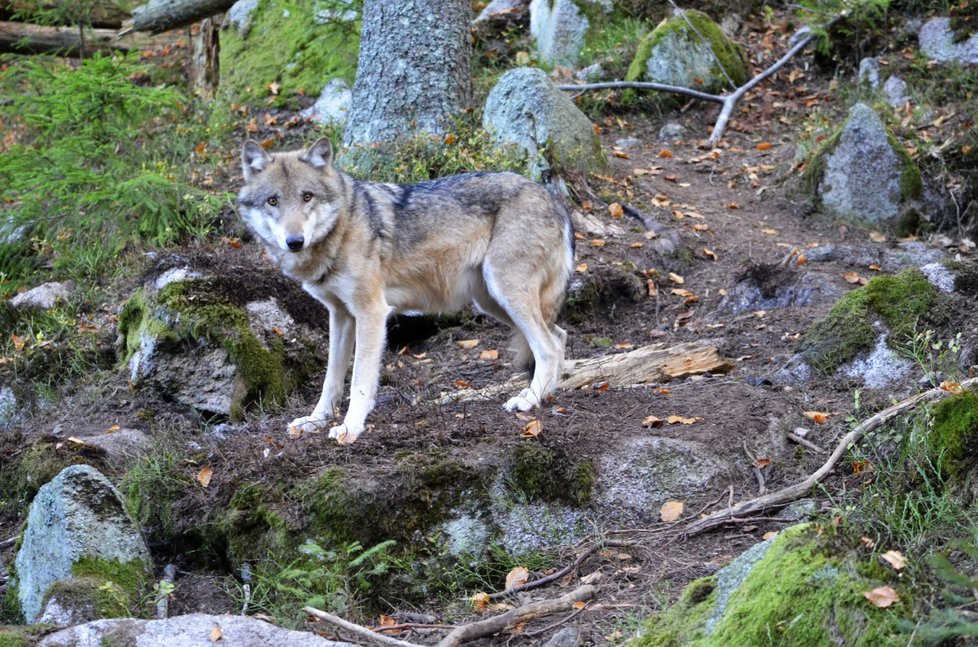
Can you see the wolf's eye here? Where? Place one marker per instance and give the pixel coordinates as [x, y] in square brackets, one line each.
[273, 201]
[306, 196]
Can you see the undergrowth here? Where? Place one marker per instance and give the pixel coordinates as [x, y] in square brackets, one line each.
[92, 165]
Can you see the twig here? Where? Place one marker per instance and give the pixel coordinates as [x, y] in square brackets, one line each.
[166, 587]
[598, 545]
[798, 490]
[795, 438]
[7, 543]
[490, 626]
[246, 587]
[361, 631]
[554, 625]
[643, 85]
[410, 625]
[758, 472]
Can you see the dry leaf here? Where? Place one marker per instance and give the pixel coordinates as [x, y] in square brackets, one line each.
[675, 278]
[671, 511]
[733, 205]
[274, 87]
[770, 534]
[763, 146]
[682, 292]
[652, 421]
[636, 245]
[449, 139]
[18, 342]
[480, 601]
[882, 596]
[532, 429]
[861, 467]
[801, 260]
[851, 277]
[489, 355]
[769, 231]
[665, 153]
[467, 344]
[817, 416]
[579, 605]
[582, 268]
[680, 420]
[387, 621]
[710, 254]
[216, 634]
[462, 384]
[615, 210]
[867, 542]
[113, 429]
[877, 237]
[204, 476]
[517, 577]
[598, 242]
[951, 387]
[652, 287]
[895, 559]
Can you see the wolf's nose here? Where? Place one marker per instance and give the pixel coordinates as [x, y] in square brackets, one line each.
[295, 243]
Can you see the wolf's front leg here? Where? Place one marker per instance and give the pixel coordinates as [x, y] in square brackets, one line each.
[370, 332]
[341, 337]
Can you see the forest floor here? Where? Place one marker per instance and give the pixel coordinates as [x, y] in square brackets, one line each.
[732, 213]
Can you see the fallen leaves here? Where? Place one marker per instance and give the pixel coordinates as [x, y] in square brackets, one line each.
[951, 387]
[480, 601]
[855, 278]
[519, 576]
[817, 416]
[895, 559]
[615, 210]
[489, 355]
[882, 596]
[205, 475]
[671, 511]
[467, 344]
[215, 634]
[531, 429]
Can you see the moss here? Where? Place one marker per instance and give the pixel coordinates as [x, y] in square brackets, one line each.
[132, 576]
[729, 55]
[954, 435]
[550, 475]
[93, 597]
[795, 595]
[21, 636]
[901, 301]
[253, 527]
[285, 45]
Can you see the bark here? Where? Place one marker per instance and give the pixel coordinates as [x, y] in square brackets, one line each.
[206, 59]
[104, 13]
[23, 38]
[162, 15]
[413, 69]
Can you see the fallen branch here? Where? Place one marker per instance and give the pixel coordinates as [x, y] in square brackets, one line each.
[162, 15]
[728, 101]
[7, 543]
[363, 632]
[494, 625]
[25, 38]
[798, 490]
[795, 438]
[165, 588]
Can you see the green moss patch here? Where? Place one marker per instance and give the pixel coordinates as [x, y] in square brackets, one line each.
[797, 594]
[954, 434]
[900, 301]
[285, 45]
[550, 475]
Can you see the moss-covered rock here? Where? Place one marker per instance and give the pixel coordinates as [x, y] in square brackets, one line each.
[953, 438]
[902, 302]
[690, 50]
[795, 593]
[548, 474]
[297, 46]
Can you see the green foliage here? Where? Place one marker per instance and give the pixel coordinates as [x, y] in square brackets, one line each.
[151, 487]
[843, 28]
[94, 168]
[333, 579]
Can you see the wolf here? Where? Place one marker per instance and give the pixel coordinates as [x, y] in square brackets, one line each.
[367, 250]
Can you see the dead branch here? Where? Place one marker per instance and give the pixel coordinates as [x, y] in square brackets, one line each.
[798, 490]
[6, 543]
[795, 438]
[162, 15]
[25, 38]
[163, 599]
[494, 625]
[360, 631]
[553, 577]
[729, 101]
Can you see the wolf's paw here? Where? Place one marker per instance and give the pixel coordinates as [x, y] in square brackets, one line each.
[345, 434]
[522, 402]
[307, 425]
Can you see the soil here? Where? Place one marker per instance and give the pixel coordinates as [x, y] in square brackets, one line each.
[732, 213]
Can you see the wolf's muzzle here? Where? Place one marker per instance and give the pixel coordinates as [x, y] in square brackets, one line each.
[295, 243]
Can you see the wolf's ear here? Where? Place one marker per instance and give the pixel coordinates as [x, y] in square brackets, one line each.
[254, 159]
[320, 154]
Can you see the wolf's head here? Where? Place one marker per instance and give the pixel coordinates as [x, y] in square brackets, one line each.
[290, 200]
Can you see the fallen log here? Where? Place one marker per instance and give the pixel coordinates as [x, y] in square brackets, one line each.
[652, 364]
[163, 15]
[25, 38]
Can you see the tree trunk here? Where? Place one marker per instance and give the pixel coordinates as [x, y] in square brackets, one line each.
[413, 69]
[23, 38]
[162, 15]
[206, 57]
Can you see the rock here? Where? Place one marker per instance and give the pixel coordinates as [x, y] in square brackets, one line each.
[525, 109]
[77, 527]
[895, 91]
[558, 28]
[590, 74]
[937, 42]
[336, 11]
[123, 445]
[332, 105]
[910, 253]
[239, 15]
[672, 132]
[939, 276]
[880, 369]
[499, 17]
[10, 413]
[217, 339]
[193, 630]
[868, 176]
[730, 577]
[43, 297]
[869, 73]
[566, 637]
[642, 473]
[770, 287]
[689, 50]
[628, 143]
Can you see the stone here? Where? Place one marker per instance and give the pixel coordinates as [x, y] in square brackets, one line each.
[731, 576]
[43, 297]
[558, 28]
[78, 517]
[939, 276]
[937, 42]
[895, 91]
[500, 16]
[192, 630]
[672, 132]
[590, 74]
[869, 73]
[525, 109]
[566, 637]
[332, 105]
[123, 445]
[335, 11]
[780, 289]
[239, 15]
[880, 369]
[868, 177]
[10, 413]
[689, 50]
